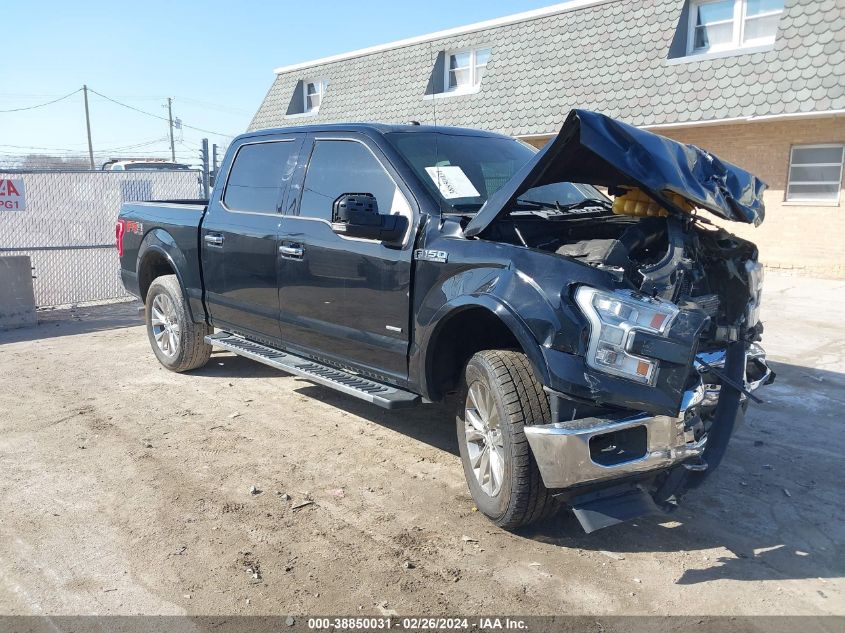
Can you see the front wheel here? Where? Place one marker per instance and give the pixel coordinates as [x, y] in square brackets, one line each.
[178, 342]
[498, 398]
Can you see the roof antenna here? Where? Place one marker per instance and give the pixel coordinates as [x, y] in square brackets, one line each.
[413, 122]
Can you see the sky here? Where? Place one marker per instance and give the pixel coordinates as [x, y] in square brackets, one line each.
[214, 58]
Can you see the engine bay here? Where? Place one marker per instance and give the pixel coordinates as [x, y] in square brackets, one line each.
[683, 259]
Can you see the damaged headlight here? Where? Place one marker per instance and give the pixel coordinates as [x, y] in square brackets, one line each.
[754, 271]
[614, 316]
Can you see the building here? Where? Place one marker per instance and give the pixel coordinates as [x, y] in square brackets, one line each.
[760, 83]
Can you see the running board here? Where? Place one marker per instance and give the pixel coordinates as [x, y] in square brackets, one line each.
[380, 394]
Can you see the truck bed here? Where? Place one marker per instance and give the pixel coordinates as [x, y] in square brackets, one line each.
[172, 230]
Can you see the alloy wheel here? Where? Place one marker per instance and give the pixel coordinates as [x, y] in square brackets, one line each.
[485, 443]
[165, 324]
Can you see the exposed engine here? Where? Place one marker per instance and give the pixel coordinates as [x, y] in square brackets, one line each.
[682, 259]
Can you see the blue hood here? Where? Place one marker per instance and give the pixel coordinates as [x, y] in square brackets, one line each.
[594, 149]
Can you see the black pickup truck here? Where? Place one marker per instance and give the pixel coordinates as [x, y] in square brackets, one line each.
[601, 347]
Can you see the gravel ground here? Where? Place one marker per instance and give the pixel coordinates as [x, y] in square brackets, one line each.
[236, 489]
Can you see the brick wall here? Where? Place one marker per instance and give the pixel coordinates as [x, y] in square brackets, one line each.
[803, 239]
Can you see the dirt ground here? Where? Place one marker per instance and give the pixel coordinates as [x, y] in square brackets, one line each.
[236, 489]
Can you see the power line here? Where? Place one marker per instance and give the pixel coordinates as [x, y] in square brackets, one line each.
[21, 95]
[135, 146]
[163, 153]
[185, 100]
[155, 116]
[214, 106]
[41, 105]
[52, 149]
[80, 151]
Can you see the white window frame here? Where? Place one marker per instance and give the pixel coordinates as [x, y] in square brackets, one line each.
[838, 183]
[738, 19]
[475, 76]
[321, 85]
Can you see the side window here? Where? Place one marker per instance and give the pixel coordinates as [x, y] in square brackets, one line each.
[815, 173]
[339, 167]
[258, 176]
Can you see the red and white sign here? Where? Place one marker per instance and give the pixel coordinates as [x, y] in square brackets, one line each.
[12, 196]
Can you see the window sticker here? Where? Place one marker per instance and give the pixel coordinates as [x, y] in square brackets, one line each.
[452, 182]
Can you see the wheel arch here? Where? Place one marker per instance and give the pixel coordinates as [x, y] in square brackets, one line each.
[466, 326]
[160, 256]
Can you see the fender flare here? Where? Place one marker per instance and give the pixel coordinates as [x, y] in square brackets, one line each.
[162, 243]
[497, 307]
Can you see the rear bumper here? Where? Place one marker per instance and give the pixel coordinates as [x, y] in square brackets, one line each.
[596, 449]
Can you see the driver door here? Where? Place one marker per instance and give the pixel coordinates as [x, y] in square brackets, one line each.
[341, 298]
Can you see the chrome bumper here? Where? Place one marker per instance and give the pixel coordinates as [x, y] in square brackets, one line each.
[589, 450]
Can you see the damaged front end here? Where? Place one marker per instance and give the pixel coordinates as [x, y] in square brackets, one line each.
[695, 340]
[669, 355]
[615, 465]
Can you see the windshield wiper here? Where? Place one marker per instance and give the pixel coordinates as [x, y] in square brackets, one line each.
[562, 208]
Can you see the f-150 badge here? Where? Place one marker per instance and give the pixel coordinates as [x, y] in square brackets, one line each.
[431, 256]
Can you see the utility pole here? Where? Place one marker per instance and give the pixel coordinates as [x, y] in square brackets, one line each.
[204, 156]
[170, 120]
[88, 126]
[213, 178]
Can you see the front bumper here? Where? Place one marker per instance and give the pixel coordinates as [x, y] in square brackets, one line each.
[596, 449]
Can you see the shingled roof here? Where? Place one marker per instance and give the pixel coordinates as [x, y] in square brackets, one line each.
[612, 56]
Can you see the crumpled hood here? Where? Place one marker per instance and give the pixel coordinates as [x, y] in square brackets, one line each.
[594, 149]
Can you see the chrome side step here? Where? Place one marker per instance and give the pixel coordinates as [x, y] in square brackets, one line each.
[380, 394]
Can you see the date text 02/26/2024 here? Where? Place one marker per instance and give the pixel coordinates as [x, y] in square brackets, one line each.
[416, 623]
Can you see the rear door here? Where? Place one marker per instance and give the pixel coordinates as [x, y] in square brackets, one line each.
[342, 298]
[239, 236]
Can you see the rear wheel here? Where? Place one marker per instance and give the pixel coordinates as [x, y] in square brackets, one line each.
[178, 342]
[498, 398]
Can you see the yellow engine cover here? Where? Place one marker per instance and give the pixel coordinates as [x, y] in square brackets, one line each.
[638, 203]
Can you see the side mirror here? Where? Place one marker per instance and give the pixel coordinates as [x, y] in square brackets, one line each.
[356, 215]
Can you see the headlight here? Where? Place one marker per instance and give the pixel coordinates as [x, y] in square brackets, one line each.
[755, 290]
[614, 316]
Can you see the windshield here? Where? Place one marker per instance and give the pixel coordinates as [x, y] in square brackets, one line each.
[462, 171]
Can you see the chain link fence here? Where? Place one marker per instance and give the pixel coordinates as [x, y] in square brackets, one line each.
[67, 227]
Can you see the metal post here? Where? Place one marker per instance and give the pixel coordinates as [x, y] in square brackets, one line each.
[213, 164]
[88, 126]
[205, 167]
[170, 121]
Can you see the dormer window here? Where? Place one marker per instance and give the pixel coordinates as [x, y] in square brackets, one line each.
[724, 25]
[313, 92]
[464, 69]
[307, 96]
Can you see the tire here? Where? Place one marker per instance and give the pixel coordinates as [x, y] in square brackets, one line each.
[178, 342]
[514, 398]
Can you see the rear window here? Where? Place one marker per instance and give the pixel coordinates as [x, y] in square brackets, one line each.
[259, 175]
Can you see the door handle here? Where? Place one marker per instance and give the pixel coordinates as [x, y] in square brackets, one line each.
[213, 240]
[291, 251]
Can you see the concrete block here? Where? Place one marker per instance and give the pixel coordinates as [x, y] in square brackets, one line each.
[17, 299]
